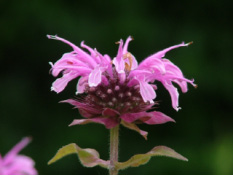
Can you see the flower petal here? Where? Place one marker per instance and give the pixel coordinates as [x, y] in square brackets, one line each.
[95, 76]
[125, 48]
[81, 85]
[92, 51]
[22, 165]
[173, 93]
[125, 51]
[82, 54]
[134, 62]
[60, 83]
[147, 92]
[119, 64]
[118, 60]
[16, 149]
[68, 61]
[162, 53]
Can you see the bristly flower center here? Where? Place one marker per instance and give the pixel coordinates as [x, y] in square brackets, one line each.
[115, 95]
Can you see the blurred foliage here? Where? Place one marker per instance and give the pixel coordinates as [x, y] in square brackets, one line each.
[203, 132]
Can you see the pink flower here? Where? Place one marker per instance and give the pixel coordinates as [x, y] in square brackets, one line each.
[14, 164]
[118, 90]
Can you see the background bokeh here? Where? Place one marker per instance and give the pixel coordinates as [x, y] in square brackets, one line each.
[203, 130]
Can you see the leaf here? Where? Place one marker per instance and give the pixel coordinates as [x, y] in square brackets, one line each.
[88, 157]
[141, 159]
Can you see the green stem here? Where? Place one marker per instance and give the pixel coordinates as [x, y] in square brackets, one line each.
[114, 142]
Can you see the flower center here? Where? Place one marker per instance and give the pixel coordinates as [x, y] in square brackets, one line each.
[116, 95]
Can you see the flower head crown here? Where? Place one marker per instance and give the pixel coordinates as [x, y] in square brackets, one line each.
[14, 164]
[118, 90]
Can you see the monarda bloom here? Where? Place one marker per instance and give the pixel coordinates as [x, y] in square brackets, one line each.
[14, 164]
[113, 91]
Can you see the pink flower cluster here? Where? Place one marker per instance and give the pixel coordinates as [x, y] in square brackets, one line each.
[14, 164]
[118, 89]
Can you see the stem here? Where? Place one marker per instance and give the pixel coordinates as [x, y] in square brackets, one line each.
[114, 142]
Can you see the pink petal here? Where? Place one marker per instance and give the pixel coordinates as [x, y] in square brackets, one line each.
[147, 92]
[134, 63]
[60, 83]
[125, 48]
[92, 51]
[183, 85]
[16, 149]
[1, 162]
[173, 93]
[125, 51]
[22, 165]
[162, 53]
[95, 76]
[154, 64]
[83, 55]
[120, 65]
[81, 85]
[118, 61]
[107, 58]
[66, 62]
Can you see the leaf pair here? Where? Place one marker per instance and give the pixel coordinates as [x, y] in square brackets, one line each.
[90, 157]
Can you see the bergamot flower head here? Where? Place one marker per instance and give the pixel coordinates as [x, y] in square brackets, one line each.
[14, 164]
[118, 90]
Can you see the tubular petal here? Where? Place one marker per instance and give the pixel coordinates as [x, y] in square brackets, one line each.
[174, 94]
[80, 52]
[162, 53]
[95, 77]
[147, 91]
[60, 83]
[118, 61]
[15, 164]
[81, 85]
[16, 149]
[125, 48]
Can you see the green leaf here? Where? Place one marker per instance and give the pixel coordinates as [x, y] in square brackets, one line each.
[141, 159]
[88, 157]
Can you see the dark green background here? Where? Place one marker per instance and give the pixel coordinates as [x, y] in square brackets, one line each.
[203, 129]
